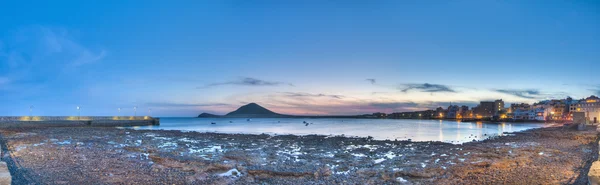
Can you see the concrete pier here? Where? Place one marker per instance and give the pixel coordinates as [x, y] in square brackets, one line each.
[77, 121]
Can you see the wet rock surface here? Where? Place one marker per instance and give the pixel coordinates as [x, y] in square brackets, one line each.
[556, 155]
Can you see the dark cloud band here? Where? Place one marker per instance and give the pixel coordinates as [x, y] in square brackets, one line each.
[299, 94]
[247, 81]
[427, 87]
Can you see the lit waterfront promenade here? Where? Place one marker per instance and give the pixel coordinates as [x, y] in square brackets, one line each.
[77, 121]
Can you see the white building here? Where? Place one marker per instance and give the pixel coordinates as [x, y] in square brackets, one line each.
[537, 114]
[590, 106]
[520, 114]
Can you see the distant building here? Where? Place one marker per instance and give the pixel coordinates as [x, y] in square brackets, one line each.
[485, 109]
[456, 112]
[452, 111]
[515, 106]
[463, 112]
[520, 114]
[439, 113]
[528, 114]
[590, 106]
[468, 114]
[379, 115]
[519, 111]
[428, 114]
[537, 114]
[556, 109]
[395, 115]
[546, 110]
[498, 106]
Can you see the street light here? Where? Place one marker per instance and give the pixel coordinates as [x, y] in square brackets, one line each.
[149, 112]
[30, 110]
[119, 110]
[134, 111]
[78, 112]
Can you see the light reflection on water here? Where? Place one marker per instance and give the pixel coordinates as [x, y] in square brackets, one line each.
[381, 129]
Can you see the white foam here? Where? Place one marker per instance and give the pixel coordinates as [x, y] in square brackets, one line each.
[377, 161]
[66, 142]
[188, 140]
[205, 150]
[230, 173]
[144, 156]
[359, 155]
[390, 155]
[400, 179]
[167, 144]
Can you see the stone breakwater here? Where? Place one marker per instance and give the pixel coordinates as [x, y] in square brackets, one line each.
[103, 155]
[70, 118]
[77, 121]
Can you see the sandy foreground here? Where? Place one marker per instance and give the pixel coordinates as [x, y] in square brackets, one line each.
[555, 155]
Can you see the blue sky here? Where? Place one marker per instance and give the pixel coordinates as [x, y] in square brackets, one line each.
[181, 58]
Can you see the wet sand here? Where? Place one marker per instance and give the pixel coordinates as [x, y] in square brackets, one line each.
[78, 155]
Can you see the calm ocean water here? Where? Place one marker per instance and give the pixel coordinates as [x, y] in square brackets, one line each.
[417, 130]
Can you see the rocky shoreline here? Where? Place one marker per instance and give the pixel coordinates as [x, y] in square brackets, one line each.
[85, 155]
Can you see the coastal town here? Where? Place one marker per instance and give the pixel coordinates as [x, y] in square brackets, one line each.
[300, 92]
[556, 110]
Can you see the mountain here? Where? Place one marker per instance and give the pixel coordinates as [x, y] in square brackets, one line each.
[253, 110]
[207, 115]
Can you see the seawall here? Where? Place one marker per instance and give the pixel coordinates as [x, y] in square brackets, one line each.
[77, 121]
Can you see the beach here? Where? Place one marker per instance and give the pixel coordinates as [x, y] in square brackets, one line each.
[104, 155]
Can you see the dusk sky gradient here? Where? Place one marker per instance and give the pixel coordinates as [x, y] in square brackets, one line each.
[181, 58]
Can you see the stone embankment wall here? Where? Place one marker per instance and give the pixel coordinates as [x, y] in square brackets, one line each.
[70, 118]
[594, 173]
[75, 121]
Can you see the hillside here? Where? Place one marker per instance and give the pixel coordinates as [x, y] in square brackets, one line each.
[251, 110]
[208, 115]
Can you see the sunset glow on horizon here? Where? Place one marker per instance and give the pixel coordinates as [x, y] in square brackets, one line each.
[293, 58]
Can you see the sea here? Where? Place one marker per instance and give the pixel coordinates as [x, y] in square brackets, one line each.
[379, 129]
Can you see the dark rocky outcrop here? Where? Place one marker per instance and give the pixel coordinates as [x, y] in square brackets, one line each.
[208, 115]
[253, 110]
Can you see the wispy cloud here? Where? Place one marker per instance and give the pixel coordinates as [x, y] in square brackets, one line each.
[524, 93]
[371, 80]
[87, 57]
[427, 87]
[300, 94]
[248, 81]
[37, 55]
[167, 104]
[596, 90]
[393, 105]
[53, 42]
